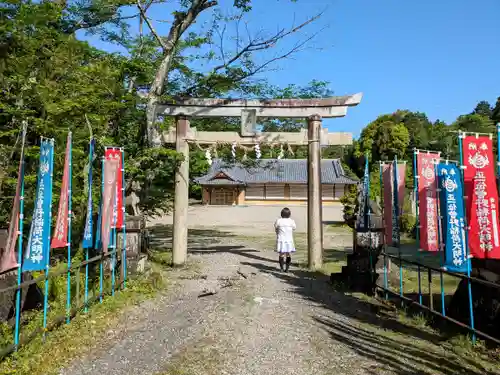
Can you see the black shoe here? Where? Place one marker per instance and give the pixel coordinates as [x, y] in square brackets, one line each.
[288, 261]
[282, 264]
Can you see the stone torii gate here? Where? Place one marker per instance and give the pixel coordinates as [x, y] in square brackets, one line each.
[249, 110]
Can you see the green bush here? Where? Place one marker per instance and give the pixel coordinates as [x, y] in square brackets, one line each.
[408, 219]
[349, 201]
[408, 222]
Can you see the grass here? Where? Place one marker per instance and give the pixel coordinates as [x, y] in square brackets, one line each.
[85, 331]
[432, 354]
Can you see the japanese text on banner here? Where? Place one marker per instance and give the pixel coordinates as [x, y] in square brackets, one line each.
[427, 214]
[116, 154]
[362, 221]
[87, 234]
[109, 200]
[388, 199]
[391, 221]
[482, 202]
[60, 238]
[8, 259]
[37, 253]
[453, 218]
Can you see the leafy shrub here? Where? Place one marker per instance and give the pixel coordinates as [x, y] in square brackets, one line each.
[349, 201]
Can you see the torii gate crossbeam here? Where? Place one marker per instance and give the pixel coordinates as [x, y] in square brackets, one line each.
[312, 109]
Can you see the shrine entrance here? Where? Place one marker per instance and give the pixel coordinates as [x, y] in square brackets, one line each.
[223, 196]
[249, 110]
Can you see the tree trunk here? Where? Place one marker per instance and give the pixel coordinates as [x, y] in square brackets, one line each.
[154, 136]
[183, 20]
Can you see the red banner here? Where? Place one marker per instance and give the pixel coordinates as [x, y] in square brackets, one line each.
[8, 259]
[115, 153]
[482, 197]
[60, 238]
[401, 186]
[111, 168]
[427, 201]
[388, 180]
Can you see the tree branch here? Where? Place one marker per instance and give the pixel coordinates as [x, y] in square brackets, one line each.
[254, 45]
[145, 18]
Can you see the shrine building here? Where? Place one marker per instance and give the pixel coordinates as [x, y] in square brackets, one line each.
[270, 181]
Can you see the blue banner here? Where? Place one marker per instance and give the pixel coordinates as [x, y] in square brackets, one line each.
[362, 220]
[452, 218]
[87, 234]
[37, 255]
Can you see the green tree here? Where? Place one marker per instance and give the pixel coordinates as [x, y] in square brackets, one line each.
[483, 108]
[384, 139]
[495, 113]
[417, 124]
[58, 84]
[474, 123]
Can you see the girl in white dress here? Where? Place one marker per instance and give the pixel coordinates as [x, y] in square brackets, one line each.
[285, 245]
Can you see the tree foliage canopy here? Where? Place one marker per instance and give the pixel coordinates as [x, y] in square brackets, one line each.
[58, 83]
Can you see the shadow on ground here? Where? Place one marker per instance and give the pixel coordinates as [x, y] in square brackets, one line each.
[385, 340]
[161, 236]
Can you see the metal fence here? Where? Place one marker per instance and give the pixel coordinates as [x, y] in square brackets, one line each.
[423, 279]
[86, 283]
[423, 295]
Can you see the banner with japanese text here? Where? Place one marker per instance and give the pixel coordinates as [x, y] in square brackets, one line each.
[60, 238]
[452, 218]
[98, 242]
[362, 219]
[37, 254]
[8, 259]
[115, 153]
[391, 217]
[109, 200]
[427, 201]
[399, 174]
[388, 199]
[89, 225]
[482, 198]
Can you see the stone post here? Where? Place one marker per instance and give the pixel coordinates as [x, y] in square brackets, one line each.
[181, 199]
[314, 204]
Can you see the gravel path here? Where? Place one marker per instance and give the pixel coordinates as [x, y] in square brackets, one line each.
[259, 321]
[256, 320]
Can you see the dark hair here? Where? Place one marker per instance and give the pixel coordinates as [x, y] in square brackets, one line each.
[286, 213]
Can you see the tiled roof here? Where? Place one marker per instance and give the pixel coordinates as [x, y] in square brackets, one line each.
[274, 171]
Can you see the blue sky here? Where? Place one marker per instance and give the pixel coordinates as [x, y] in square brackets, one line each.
[436, 56]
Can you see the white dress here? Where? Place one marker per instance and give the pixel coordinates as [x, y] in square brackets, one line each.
[284, 235]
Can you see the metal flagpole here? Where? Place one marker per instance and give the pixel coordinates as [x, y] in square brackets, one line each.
[47, 267]
[91, 152]
[101, 267]
[20, 243]
[440, 235]
[114, 239]
[68, 294]
[498, 148]
[417, 219]
[384, 236]
[124, 230]
[469, 286]
[114, 231]
[395, 227]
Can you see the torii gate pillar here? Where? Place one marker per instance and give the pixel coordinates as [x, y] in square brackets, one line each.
[181, 198]
[314, 204]
[274, 108]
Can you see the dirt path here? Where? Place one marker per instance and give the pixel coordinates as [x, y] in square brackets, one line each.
[261, 321]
